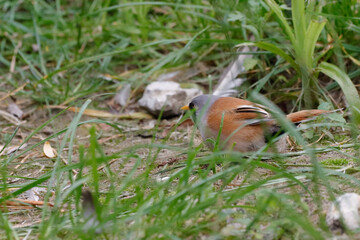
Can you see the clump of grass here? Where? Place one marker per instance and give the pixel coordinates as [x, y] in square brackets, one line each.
[335, 162]
[303, 36]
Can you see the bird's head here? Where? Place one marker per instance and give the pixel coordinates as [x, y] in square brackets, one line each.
[199, 105]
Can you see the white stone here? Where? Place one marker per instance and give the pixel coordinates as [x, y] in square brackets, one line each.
[167, 96]
[344, 211]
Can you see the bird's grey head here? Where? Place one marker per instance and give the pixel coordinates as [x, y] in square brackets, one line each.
[200, 104]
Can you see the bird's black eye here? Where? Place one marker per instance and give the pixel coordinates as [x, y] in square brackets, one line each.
[191, 105]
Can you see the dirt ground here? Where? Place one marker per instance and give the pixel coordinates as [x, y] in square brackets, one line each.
[134, 133]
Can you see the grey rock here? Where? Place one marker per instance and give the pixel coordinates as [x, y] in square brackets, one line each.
[344, 212]
[167, 96]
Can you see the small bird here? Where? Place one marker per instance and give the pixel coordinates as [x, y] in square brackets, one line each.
[246, 126]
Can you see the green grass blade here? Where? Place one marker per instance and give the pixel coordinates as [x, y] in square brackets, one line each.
[56, 173]
[274, 49]
[38, 42]
[7, 227]
[276, 9]
[281, 119]
[312, 35]
[27, 187]
[351, 94]
[103, 55]
[298, 18]
[173, 4]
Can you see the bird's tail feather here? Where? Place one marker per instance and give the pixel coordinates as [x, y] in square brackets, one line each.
[307, 115]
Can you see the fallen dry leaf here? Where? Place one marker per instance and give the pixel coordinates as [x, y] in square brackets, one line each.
[11, 118]
[103, 114]
[11, 149]
[48, 150]
[14, 109]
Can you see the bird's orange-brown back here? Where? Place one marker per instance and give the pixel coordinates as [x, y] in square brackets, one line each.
[234, 121]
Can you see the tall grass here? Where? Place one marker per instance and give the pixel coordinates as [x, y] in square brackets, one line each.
[303, 36]
[69, 51]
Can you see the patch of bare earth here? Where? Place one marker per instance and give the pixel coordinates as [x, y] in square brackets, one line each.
[137, 137]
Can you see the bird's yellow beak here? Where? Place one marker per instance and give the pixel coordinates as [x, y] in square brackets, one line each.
[186, 107]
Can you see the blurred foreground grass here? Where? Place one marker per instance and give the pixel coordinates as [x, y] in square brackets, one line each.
[64, 52]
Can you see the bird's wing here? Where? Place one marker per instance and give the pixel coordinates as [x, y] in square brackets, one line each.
[251, 112]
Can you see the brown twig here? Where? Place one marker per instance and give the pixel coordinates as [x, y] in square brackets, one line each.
[24, 204]
[13, 92]
[109, 163]
[13, 59]
[103, 114]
